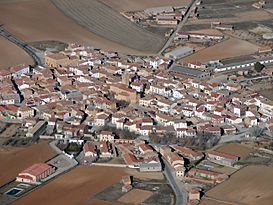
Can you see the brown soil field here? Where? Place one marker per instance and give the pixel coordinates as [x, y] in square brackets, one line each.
[30, 21]
[135, 196]
[210, 202]
[256, 15]
[267, 93]
[14, 160]
[104, 21]
[75, 187]
[237, 149]
[101, 202]
[227, 49]
[251, 185]
[136, 5]
[12, 55]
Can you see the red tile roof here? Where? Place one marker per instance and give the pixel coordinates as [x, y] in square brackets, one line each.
[36, 169]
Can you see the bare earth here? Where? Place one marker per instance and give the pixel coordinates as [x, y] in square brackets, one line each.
[256, 15]
[250, 186]
[103, 21]
[11, 55]
[135, 196]
[237, 149]
[30, 21]
[211, 202]
[75, 187]
[227, 49]
[14, 160]
[136, 5]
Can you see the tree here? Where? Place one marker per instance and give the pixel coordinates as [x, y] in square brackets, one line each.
[258, 67]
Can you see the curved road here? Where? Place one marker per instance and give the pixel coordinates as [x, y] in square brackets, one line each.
[21, 44]
[179, 26]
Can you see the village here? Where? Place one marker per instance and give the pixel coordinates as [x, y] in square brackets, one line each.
[150, 114]
[187, 123]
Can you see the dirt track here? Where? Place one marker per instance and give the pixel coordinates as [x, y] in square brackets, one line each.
[109, 24]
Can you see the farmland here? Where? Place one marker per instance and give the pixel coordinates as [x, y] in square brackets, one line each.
[75, 187]
[251, 185]
[230, 48]
[133, 5]
[235, 149]
[12, 55]
[29, 21]
[135, 196]
[14, 160]
[103, 21]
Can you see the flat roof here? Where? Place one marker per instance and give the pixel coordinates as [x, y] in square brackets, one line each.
[179, 51]
[187, 71]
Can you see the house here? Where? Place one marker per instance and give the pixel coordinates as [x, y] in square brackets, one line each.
[222, 158]
[207, 175]
[151, 164]
[194, 194]
[35, 173]
[180, 171]
[131, 160]
[124, 93]
[100, 120]
[24, 112]
[187, 152]
[104, 150]
[106, 136]
[90, 150]
[167, 21]
[175, 160]
[59, 60]
[19, 70]
[145, 149]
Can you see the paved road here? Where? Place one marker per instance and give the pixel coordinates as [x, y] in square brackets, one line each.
[180, 192]
[240, 135]
[179, 26]
[22, 45]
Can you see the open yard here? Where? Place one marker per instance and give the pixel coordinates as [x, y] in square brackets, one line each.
[12, 55]
[135, 196]
[30, 21]
[267, 93]
[135, 5]
[145, 175]
[14, 160]
[251, 185]
[75, 187]
[230, 48]
[236, 149]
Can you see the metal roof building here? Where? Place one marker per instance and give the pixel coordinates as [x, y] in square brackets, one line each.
[179, 53]
[189, 72]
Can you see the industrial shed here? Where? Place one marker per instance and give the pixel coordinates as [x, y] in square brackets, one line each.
[179, 53]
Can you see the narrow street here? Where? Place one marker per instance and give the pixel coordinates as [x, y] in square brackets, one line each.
[180, 192]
